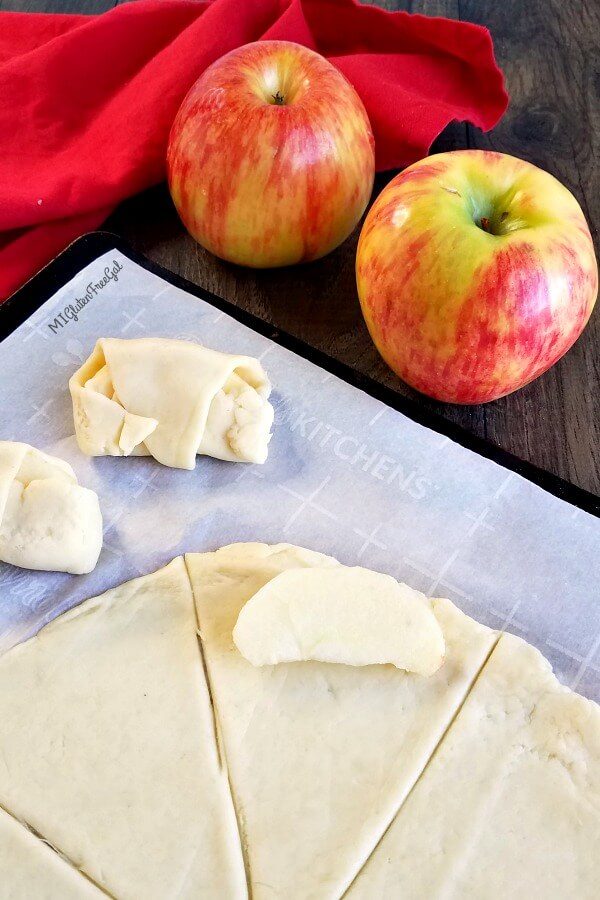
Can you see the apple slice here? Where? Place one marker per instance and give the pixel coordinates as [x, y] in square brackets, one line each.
[340, 615]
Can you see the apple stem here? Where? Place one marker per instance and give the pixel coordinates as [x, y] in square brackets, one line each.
[485, 223]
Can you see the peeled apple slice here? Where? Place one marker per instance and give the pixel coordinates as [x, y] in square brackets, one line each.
[340, 615]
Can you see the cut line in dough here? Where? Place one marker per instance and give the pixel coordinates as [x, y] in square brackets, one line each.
[30, 869]
[323, 753]
[509, 805]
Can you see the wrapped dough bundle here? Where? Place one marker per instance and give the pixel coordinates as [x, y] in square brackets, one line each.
[171, 400]
[47, 520]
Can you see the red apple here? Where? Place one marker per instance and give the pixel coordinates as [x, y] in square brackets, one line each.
[271, 156]
[476, 273]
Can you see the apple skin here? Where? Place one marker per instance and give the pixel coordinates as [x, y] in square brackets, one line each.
[271, 156]
[461, 313]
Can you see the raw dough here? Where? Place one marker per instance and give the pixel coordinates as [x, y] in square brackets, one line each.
[107, 745]
[30, 870]
[47, 520]
[481, 781]
[509, 806]
[171, 400]
[340, 614]
[320, 756]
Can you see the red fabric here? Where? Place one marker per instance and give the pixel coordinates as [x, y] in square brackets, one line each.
[86, 102]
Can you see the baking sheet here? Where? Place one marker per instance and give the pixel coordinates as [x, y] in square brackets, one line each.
[346, 475]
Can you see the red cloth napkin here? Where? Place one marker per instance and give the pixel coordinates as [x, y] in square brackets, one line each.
[86, 102]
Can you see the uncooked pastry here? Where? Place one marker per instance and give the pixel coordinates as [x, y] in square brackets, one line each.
[340, 614]
[320, 756]
[171, 400]
[509, 806]
[31, 870]
[487, 773]
[47, 520]
[107, 745]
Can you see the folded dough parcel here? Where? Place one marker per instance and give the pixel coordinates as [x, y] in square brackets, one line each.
[481, 780]
[171, 399]
[47, 520]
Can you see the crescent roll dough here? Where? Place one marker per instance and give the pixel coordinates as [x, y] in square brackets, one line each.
[171, 400]
[47, 520]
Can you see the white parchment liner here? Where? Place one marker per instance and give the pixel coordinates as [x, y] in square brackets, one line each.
[346, 475]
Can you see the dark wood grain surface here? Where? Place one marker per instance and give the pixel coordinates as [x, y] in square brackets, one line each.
[550, 53]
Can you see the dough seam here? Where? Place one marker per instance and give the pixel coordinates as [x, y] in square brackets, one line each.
[69, 862]
[433, 753]
[219, 743]
[213, 711]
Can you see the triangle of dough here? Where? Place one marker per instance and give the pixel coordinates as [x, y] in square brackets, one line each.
[107, 745]
[134, 432]
[510, 804]
[320, 756]
[30, 869]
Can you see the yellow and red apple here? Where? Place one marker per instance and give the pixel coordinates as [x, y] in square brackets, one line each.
[271, 156]
[476, 272]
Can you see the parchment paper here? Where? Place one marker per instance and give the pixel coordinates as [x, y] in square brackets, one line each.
[346, 475]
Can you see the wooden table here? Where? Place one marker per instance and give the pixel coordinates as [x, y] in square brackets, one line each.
[550, 55]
